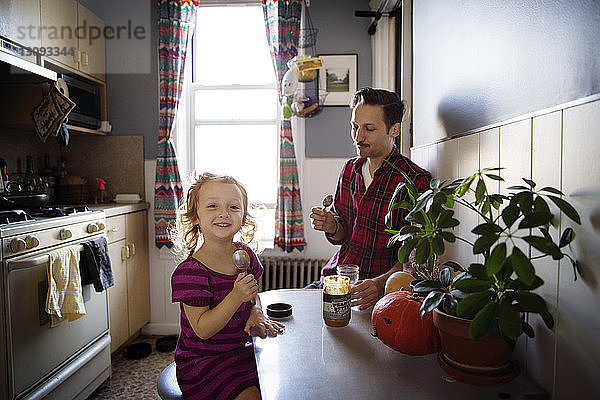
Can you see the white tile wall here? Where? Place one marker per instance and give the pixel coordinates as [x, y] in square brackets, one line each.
[559, 149]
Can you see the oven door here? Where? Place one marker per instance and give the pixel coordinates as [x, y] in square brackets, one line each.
[35, 349]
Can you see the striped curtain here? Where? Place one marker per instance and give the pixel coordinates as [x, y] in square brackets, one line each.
[282, 23]
[176, 19]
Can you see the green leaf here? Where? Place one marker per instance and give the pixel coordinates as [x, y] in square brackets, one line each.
[478, 271]
[458, 277]
[448, 236]
[495, 177]
[454, 266]
[535, 219]
[486, 228]
[566, 208]
[480, 191]
[409, 229]
[544, 245]
[448, 223]
[552, 190]
[437, 245]
[472, 285]
[427, 286]
[496, 259]
[510, 214]
[423, 251]
[527, 329]
[531, 302]
[473, 303]
[407, 247]
[432, 300]
[484, 321]
[522, 266]
[540, 205]
[483, 243]
[525, 200]
[529, 182]
[449, 201]
[517, 187]
[518, 285]
[509, 320]
[445, 277]
[567, 237]
[465, 186]
[548, 319]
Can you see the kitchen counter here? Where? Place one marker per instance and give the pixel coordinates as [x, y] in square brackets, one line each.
[112, 209]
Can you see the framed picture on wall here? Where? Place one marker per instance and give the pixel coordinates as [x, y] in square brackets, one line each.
[338, 78]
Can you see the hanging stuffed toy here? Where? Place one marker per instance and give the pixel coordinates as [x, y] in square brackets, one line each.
[289, 84]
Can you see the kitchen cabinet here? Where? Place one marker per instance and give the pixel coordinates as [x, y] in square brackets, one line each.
[129, 298]
[16, 16]
[70, 30]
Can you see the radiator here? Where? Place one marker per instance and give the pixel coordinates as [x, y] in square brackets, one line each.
[289, 273]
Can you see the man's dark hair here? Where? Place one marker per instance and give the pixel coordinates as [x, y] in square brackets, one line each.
[393, 107]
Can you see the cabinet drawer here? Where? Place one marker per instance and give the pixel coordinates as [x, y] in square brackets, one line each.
[115, 228]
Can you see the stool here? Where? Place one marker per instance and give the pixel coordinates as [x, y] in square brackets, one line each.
[167, 386]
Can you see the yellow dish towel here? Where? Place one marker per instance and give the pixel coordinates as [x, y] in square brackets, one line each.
[64, 300]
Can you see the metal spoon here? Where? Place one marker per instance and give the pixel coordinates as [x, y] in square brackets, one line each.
[327, 201]
[241, 260]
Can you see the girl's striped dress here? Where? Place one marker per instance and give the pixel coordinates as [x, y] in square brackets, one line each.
[222, 366]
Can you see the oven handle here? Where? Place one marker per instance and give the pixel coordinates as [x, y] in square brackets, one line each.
[31, 262]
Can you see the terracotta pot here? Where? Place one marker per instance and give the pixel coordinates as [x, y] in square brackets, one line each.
[467, 359]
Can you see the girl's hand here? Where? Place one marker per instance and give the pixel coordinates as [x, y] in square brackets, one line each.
[245, 287]
[262, 324]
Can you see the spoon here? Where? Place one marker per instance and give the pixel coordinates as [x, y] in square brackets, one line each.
[241, 260]
[327, 201]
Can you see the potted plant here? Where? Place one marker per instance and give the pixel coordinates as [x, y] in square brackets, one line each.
[483, 303]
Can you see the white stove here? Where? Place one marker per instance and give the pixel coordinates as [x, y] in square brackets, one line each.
[37, 361]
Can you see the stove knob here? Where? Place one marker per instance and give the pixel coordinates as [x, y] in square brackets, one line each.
[91, 228]
[101, 226]
[17, 245]
[64, 234]
[31, 242]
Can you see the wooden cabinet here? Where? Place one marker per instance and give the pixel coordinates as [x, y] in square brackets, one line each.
[129, 298]
[75, 35]
[16, 18]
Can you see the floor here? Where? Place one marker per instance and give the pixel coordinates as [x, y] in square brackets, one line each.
[134, 379]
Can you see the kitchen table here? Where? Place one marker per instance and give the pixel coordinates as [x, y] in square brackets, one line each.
[313, 361]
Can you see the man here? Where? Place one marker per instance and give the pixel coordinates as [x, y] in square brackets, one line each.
[365, 187]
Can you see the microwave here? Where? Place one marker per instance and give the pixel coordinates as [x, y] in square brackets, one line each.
[86, 96]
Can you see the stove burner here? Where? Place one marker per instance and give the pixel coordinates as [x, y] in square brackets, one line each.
[11, 216]
[50, 212]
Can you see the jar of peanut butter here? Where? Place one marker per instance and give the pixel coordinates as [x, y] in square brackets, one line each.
[336, 300]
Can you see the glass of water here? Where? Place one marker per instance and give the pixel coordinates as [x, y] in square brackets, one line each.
[349, 270]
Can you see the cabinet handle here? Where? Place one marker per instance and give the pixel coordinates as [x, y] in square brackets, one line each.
[116, 229]
[124, 253]
[132, 248]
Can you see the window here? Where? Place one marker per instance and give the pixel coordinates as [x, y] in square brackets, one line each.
[234, 106]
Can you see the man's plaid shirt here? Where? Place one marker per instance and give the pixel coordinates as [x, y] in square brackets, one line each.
[362, 213]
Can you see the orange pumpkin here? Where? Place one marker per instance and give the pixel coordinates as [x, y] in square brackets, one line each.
[397, 323]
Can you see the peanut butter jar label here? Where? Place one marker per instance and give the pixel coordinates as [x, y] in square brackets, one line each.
[336, 306]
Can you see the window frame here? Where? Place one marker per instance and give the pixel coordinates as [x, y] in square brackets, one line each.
[193, 122]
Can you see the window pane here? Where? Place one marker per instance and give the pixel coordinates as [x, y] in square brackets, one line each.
[236, 104]
[246, 152]
[232, 54]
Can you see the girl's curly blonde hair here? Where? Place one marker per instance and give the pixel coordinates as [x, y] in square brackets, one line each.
[186, 236]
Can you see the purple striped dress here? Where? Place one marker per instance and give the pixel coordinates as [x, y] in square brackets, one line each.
[222, 366]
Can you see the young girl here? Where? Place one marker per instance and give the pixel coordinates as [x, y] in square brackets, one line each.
[214, 354]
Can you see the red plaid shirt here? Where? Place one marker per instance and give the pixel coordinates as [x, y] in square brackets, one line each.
[362, 214]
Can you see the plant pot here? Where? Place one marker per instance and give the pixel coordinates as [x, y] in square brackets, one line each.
[485, 361]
